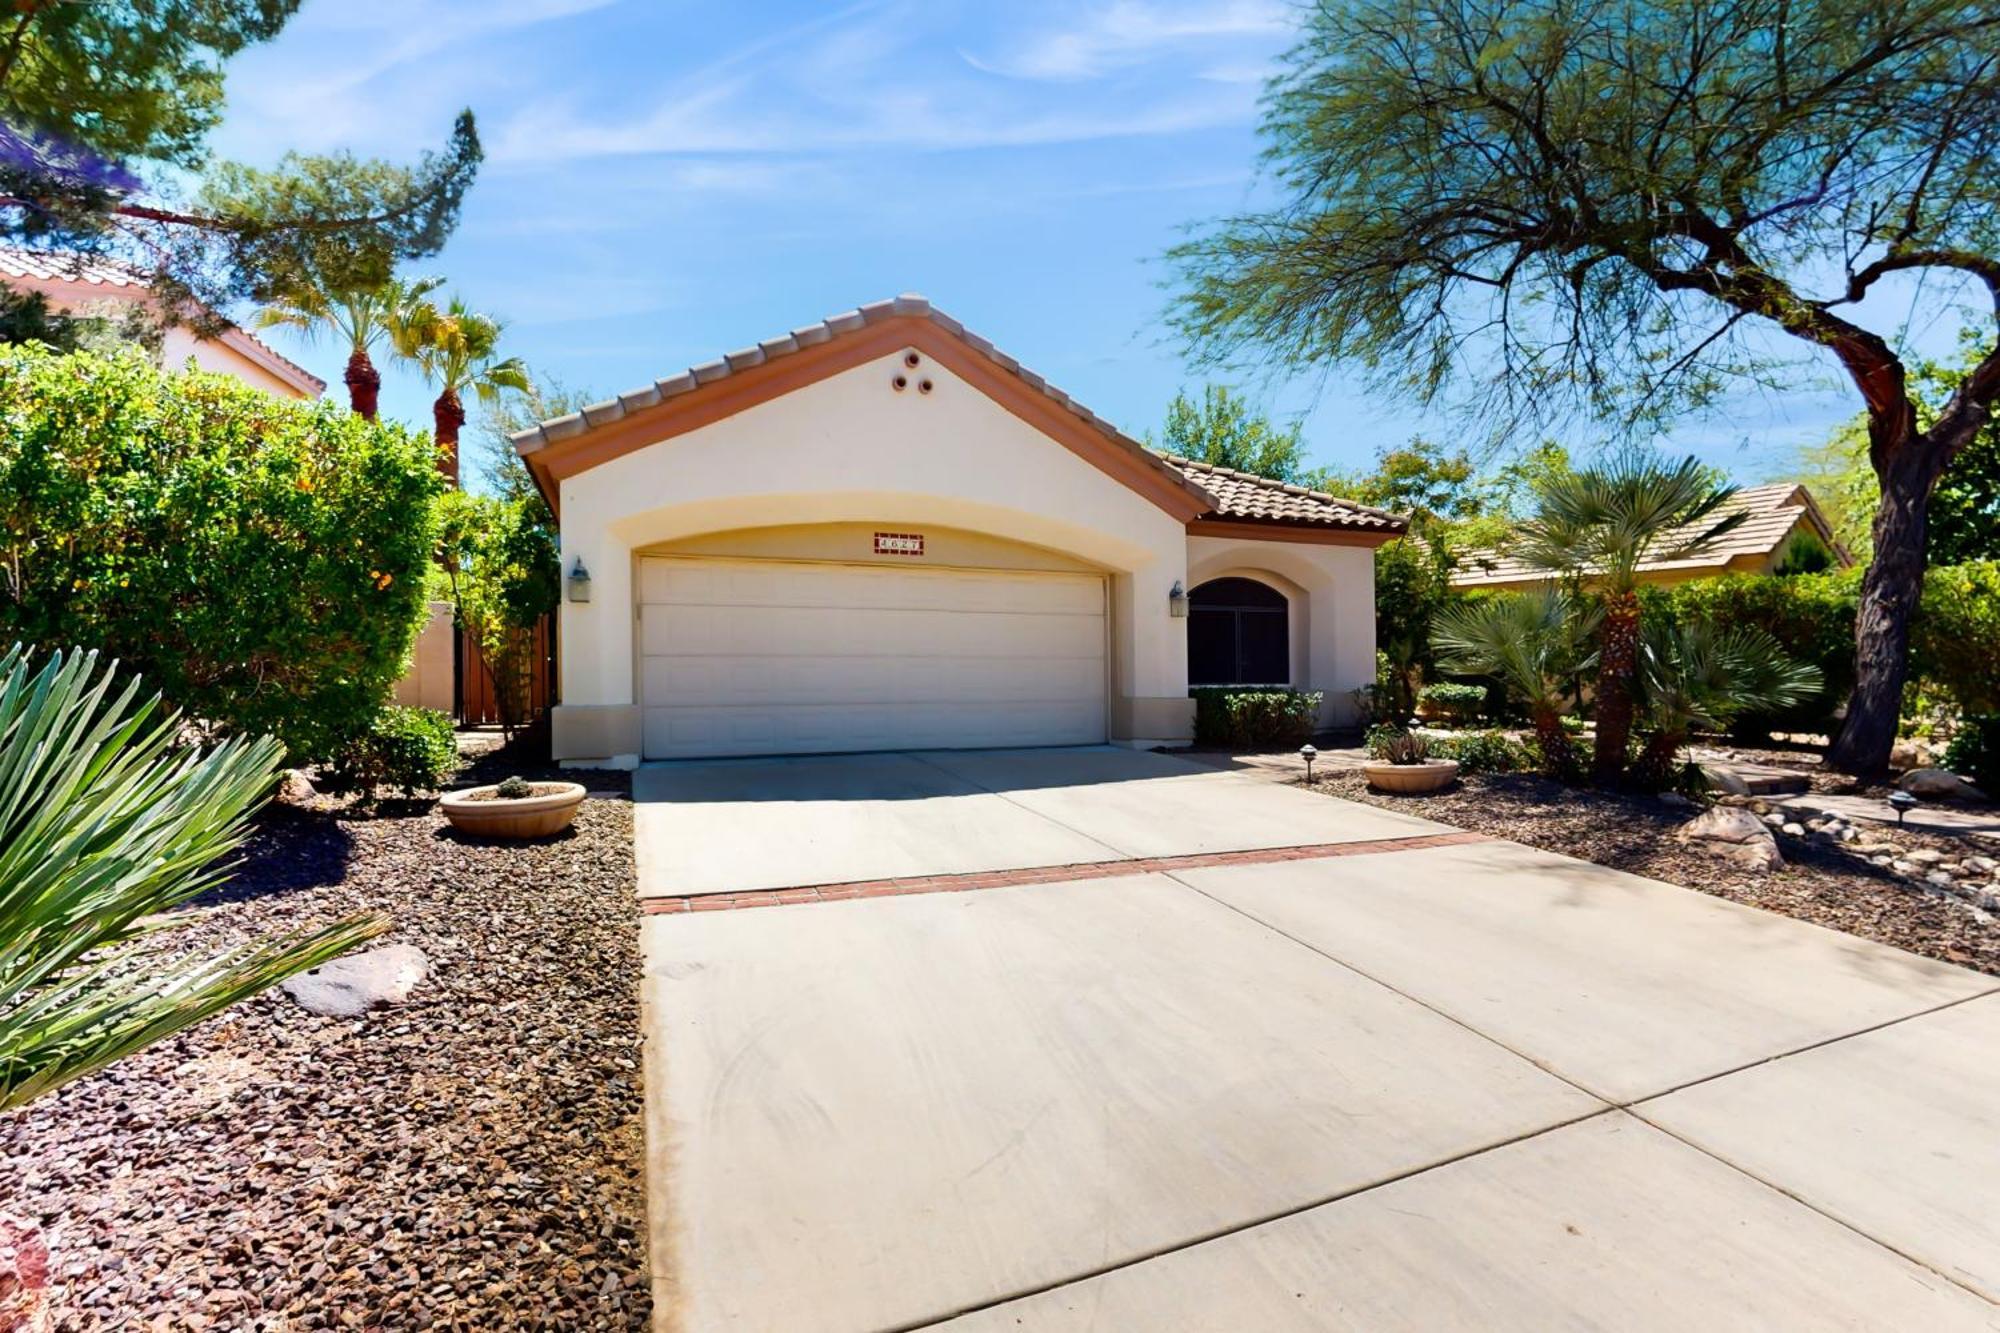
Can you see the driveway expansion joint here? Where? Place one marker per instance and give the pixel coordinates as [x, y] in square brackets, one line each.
[997, 879]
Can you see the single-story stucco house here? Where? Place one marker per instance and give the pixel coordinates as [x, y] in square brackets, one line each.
[881, 532]
[1774, 518]
[90, 285]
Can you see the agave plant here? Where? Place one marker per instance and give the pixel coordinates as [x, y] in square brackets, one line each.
[1595, 527]
[1696, 676]
[1532, 641]
[105, 823]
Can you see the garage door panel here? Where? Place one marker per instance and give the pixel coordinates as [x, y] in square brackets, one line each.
[678, 732]
[825, 632]
[745, 657]
[747, 584]
[712, 681]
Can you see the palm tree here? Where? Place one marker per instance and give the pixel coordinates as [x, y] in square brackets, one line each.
[105, 823]
[1695, 675]
[1596, 527]
[358, 317]
[456, 348]
[1532, 641]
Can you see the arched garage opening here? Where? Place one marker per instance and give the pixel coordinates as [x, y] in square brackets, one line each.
[1239, 633]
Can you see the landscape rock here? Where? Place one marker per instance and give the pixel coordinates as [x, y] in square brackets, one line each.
[1909, 754]
[1725, 824]
[1793, 830]
[1751, 843]
[1939, 784]
[1983, 865]
[351, 985]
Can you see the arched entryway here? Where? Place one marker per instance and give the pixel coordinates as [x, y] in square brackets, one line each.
[1239, 633]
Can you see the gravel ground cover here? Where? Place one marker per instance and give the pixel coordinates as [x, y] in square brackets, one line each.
[1820, 882]
[468, 1160]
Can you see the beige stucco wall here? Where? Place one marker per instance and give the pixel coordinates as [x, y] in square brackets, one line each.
[944, 548]
[849, 450]
[179, 346]
[429, 681]
[1330, 591]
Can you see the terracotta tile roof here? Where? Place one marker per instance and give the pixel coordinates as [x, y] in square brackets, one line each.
[43, 266]
[34, 267]
[1251, 498]
[1246, 496]
[1773, 512]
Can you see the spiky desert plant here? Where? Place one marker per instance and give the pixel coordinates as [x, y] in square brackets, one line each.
[105, 823]
[1596, 526]
[1697, 676]
[1533, 642]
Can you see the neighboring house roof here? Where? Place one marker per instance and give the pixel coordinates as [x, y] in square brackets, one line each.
[1772, 512]
[66, 278]
[566, 445]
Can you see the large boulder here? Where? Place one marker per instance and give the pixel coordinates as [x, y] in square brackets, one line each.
[351, 985]
[1939, 784]
[1746, 839]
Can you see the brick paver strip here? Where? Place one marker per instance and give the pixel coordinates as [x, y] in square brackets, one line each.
[996, 879]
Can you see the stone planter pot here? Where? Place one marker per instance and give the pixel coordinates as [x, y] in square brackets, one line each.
[1412, 779]
[474, 811]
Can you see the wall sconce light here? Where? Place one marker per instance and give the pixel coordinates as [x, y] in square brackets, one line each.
[579, 582]
[1177, 601]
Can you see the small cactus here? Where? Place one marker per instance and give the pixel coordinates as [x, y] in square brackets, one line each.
[514, 789]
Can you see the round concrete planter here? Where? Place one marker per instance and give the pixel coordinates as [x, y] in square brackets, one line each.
[1412, 779]
[475, 812]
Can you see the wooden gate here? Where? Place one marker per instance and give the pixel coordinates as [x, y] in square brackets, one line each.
[480, 702]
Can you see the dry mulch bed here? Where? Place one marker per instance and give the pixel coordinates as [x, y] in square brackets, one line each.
[471, 1159]
[1819, 883]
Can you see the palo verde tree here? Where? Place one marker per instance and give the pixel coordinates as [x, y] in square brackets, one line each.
[1627, 210]
[104, 107]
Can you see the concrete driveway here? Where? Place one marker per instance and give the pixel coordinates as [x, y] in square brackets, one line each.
[1093, 1039]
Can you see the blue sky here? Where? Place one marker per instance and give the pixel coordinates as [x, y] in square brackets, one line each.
[668, 181]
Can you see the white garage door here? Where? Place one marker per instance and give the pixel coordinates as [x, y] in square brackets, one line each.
[765, 657]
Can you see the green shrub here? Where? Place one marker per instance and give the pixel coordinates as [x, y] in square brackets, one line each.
[409, 748]
[1225, 715]
[1955, 642]
[1484, 752]
[1954, 638]
[1453, 703]
[1810, 615]
[1974, 753]
[262, 561]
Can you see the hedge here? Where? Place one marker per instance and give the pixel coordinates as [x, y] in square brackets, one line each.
[1954, 641]
[262, 562]
[1225, 715]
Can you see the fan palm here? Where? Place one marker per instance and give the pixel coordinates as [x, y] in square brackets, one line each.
[1596, 527]
[104, 824]
[359, 317]
[1696, 676]
[457, 349]
[1532, 642]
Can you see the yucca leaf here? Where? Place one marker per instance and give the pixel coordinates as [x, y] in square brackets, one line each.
[105, 823]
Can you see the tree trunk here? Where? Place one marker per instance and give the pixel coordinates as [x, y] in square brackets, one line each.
[448, 414]
[364, 385]
[1908, 470]
[1617, 661]
[1558, 756]
[1654, 769]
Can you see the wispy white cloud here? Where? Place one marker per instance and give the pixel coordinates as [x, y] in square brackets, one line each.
[1129, 32]
[872, 77]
